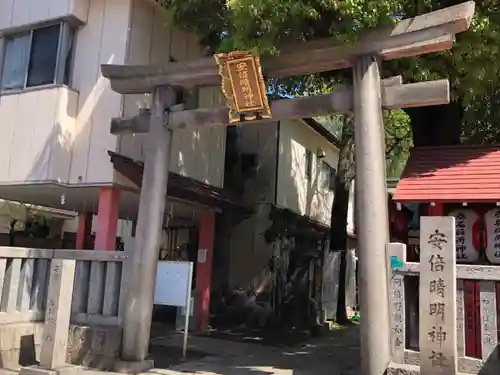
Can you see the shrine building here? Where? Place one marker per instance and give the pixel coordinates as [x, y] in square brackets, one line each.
[461, 181]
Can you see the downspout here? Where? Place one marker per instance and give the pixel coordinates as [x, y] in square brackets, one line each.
[277, 246]
[277, 162]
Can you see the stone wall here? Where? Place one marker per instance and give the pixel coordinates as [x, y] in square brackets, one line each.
[95, 347]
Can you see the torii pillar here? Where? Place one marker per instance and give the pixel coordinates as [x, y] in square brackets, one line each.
[373, 223]
[141, 268]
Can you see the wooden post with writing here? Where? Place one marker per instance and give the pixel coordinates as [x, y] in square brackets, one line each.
[438, 286]
[397, 252]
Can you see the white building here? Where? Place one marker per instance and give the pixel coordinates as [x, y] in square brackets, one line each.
[55, 107]
[55, 114]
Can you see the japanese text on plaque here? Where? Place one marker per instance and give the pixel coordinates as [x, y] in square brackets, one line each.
[437, 290]
[243, 85]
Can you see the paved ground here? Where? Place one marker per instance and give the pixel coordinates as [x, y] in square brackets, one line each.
[336, 353]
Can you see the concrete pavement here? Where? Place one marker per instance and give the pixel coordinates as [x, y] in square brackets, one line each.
[336, 353]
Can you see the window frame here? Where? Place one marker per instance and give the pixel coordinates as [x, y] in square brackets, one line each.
[308, 164]
[329, 173]
[190, 97]
[65, 48]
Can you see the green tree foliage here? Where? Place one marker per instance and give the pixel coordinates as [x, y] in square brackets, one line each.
[471, 67]
[398, 141]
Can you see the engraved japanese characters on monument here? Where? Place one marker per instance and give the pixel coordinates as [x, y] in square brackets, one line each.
[397, 251]
[492, 229]
[467, 244]
[438, 317]
[460, 319]
[57, 313]
[243, 86]
[489, 333]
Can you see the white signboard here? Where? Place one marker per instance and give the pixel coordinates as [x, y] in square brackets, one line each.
[492, 226]
[173, 288]
[172, 282]
[467, 222]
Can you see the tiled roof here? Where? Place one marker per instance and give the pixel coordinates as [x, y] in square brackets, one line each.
[181, 187]
[451, 174]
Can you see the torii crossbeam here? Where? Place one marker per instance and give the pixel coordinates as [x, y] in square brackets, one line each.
[423, 34]
[394, 95]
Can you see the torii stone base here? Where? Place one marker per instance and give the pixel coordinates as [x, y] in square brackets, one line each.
[135, 367]
[57, 316]
[64, 370]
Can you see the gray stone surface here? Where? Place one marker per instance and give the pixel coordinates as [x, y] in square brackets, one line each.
[57, 313]
[126, 367]
[464, 271]
[63, 370]
[460, 319]
[397, 294]
[95, 347]
[465, 364]
[336, 353]
[20, 344]
[398, 369]
[408, 369]
[438, 311]
[11, 286]
[489, 334]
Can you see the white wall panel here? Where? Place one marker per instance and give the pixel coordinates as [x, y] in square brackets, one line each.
[200, 153]
[37, 148]
[19, 13]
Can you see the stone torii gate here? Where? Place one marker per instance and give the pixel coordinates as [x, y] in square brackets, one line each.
[423, 34]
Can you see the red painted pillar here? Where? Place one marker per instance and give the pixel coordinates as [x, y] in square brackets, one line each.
[107, 219]
[204, 268]
[436, 210]
[83, 231]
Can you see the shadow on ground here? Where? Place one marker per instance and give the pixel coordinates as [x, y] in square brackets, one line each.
[168, 356]
[260, 337]
[335, 353]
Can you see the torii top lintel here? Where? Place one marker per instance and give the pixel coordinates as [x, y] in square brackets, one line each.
[431, 32]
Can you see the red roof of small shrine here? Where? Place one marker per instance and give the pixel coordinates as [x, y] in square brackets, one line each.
[451, 174]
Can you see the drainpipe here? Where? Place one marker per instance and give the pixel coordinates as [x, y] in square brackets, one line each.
[277, 162]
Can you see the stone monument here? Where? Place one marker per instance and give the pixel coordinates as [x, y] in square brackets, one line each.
[438, 286]
[397, 253]
[57, 317]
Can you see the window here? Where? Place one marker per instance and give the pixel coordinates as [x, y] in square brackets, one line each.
[190, 98]
[38, 57]
[328, 174]
[308, 166]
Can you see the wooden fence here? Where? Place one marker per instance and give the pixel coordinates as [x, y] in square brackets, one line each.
[486, 276]
[97, 295]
